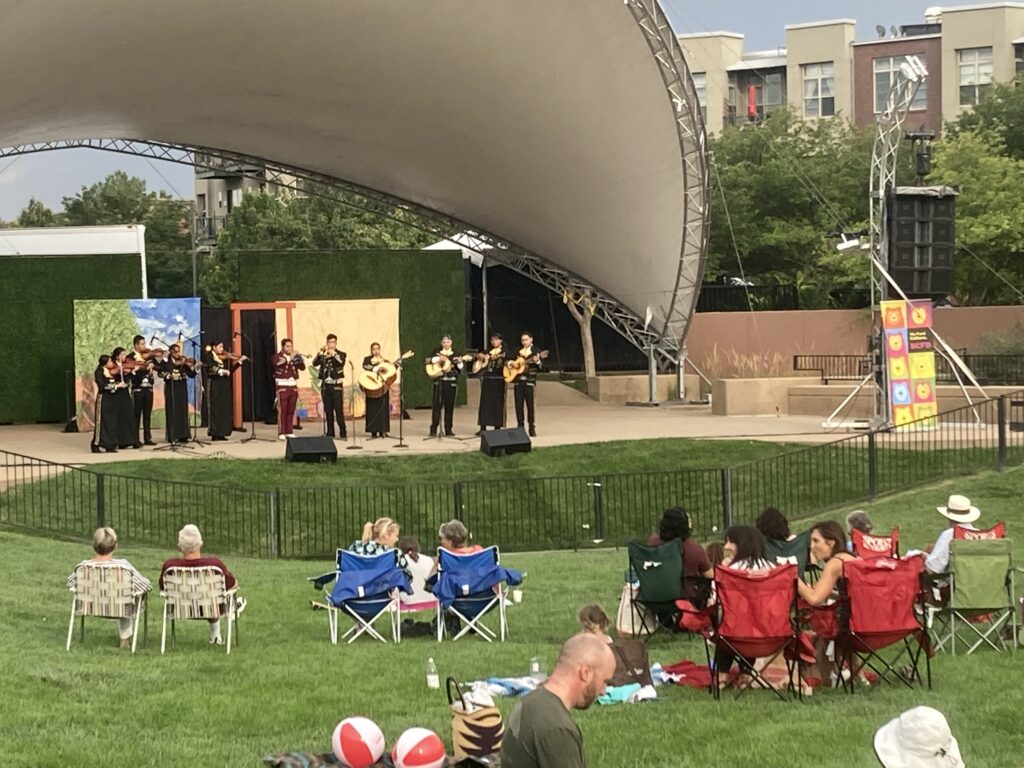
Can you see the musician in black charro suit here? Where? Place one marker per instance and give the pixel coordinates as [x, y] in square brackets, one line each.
[142, 388]
[378, 415]
[445, 387]
[492, 387]
[526, 383]
[330, 364]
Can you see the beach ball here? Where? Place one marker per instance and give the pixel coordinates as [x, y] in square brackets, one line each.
[357, 742]
[419, 748]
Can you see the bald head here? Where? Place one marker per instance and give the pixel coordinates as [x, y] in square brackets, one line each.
[584, 648]
[585, 664]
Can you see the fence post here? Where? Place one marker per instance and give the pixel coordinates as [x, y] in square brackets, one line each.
[1001, 416]
[598, 510]
[273, 529]
[872, 466]
[726, 477]
[101, 512]
[457, 498]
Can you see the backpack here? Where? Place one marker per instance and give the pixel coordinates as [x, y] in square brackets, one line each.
[631, 662]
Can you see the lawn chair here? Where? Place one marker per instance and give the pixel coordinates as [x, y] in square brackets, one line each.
[470, 586]
[758, 620]
[981, 596]
[104, 590]
[962, 533]
[197, 594]
[868, 546]
[366, 588]
[796, 551]
[880, 601]
[657, 571]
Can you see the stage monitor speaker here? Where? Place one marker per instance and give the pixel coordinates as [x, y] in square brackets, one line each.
[498, 442]
[922, 234]
[315, 450]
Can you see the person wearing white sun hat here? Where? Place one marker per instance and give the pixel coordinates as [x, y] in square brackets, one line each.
[919, 738]
[958, 511]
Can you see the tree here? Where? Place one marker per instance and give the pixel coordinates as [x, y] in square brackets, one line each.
[320, 220]
[121, 199]
[582, 306]
[999, 113]
[36, 214]
[989, 228]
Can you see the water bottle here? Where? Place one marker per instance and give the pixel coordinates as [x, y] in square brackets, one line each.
[433, 680]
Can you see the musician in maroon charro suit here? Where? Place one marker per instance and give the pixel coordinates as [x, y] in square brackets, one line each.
[286, 366]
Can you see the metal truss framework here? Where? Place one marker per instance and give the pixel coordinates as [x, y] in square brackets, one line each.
[437, 224]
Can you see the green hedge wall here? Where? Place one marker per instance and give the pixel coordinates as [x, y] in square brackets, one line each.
[37, 325]
[430, 286]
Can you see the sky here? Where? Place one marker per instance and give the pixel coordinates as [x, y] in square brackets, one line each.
[50, 176]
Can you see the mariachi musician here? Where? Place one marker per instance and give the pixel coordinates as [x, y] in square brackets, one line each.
[526, 383]
[492, 385]
[330, 362]
[176, 370]
[219, 367]
[104, 432]
[378, 414]
[142, 386]
[286, 364]
[445, 386]
[121, 400]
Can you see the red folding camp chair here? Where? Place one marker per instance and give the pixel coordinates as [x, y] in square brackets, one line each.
[757, 619]
[880, 597]
[868, 546]
[997, 531]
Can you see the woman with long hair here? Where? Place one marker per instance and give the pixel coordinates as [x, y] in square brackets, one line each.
[828, 546]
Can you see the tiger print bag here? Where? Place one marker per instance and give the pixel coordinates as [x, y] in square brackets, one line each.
[476, 730]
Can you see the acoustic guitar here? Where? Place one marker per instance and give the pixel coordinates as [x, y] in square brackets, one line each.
[377, 382]
[515, 368]
[437, 370]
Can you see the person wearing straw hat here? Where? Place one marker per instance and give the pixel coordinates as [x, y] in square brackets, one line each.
[958, 511]
[919, 738]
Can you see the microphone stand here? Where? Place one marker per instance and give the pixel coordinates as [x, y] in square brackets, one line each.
[196, 417]
[352, 409]
[252, 396]
[172, 445]
[401, 411]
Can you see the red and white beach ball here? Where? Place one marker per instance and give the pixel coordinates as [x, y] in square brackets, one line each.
[357, 742]
[418, 748]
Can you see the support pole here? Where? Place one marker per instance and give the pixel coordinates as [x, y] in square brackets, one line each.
[652, 376]
[681, 375]
[483, 288]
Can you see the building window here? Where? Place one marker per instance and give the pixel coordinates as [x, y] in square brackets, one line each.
[731, 102]
[975, 73]
[1018, 58]
[700, 84]
[757, 94]
[819, 89]
[887, 68]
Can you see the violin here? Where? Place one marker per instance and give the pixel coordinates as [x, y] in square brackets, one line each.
[147, 354]
[225, 355]
[125, 366]
[180, 360]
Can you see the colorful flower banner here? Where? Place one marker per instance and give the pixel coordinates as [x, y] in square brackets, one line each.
[910, 361]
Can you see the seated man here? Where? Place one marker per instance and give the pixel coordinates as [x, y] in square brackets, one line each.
[958, 511]
[190, 543]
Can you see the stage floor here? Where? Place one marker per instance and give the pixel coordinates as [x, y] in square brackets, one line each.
[564, 417]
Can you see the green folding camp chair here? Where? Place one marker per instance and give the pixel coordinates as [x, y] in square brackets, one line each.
[981, 602]
[656, 572]
[795, 551]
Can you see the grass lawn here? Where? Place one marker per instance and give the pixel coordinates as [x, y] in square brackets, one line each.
[285, 686]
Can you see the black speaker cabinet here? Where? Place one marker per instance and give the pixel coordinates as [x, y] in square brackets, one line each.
[316, 450]
[922, 235]
[498, 442]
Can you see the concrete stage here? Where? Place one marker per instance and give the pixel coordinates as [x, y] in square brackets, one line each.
[564, 417]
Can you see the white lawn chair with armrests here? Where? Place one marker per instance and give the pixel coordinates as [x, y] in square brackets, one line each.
[105, 590]
[197, 593]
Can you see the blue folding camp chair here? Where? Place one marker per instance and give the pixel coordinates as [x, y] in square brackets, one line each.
[470, 586]
[366, 588]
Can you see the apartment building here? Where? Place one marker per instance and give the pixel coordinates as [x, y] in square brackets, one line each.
[823, 71]
[220, 187]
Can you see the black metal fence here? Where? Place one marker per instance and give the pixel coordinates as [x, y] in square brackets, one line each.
[518, 514]
[744, 298]
[989, 370]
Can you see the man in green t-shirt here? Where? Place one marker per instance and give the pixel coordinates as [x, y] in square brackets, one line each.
[540, 733]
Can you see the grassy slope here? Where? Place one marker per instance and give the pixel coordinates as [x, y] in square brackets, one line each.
[285, 687]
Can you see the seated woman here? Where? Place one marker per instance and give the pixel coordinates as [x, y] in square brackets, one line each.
[828, 546]
[773, 525]
[104, 542]
[594, 621]
[697, 570]
[455, 538]
[190, 544]
[858, 520]
[744, 549]
[381, 536]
